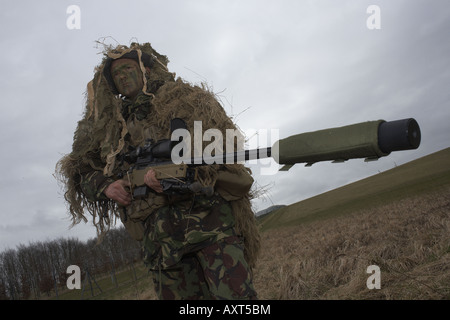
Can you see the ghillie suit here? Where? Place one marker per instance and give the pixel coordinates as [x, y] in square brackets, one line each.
[109, 127]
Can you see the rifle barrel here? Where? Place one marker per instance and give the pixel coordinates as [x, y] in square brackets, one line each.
[234, 157]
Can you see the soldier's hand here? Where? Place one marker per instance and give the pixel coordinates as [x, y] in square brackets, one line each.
[151, 181]
[117, 191]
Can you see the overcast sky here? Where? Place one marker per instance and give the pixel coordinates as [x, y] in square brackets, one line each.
[293, 66]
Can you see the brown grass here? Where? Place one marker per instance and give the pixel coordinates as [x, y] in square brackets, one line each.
[409, 240]
[327, 259]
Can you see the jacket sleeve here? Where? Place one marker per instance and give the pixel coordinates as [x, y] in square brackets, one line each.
[93, 184]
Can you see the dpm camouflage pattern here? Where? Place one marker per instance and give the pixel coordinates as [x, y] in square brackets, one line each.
[194, 253]
[93, 184]
[217, 272]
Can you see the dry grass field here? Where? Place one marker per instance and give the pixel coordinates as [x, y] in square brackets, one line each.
[398, 220]
[320, 248]
[327, 259]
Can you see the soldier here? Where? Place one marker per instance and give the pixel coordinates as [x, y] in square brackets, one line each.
[196, 246]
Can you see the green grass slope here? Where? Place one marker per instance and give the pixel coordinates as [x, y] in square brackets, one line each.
[427, 174]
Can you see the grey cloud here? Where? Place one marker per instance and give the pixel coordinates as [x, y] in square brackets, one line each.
[293, 65]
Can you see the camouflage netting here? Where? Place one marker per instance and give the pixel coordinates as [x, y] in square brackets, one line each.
[100, 136]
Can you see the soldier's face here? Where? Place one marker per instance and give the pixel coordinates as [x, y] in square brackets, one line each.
[127, 77]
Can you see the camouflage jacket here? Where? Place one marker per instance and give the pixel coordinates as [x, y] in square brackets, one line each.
[93, 183]
[169, 228]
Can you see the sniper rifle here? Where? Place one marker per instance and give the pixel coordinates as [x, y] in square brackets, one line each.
[370, 140]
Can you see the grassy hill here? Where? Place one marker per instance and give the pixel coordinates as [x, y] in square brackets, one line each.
[399, 221]
[130, 283]
[423, 175]
[320, 248]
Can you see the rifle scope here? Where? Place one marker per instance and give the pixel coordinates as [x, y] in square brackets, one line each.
[370, 140]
